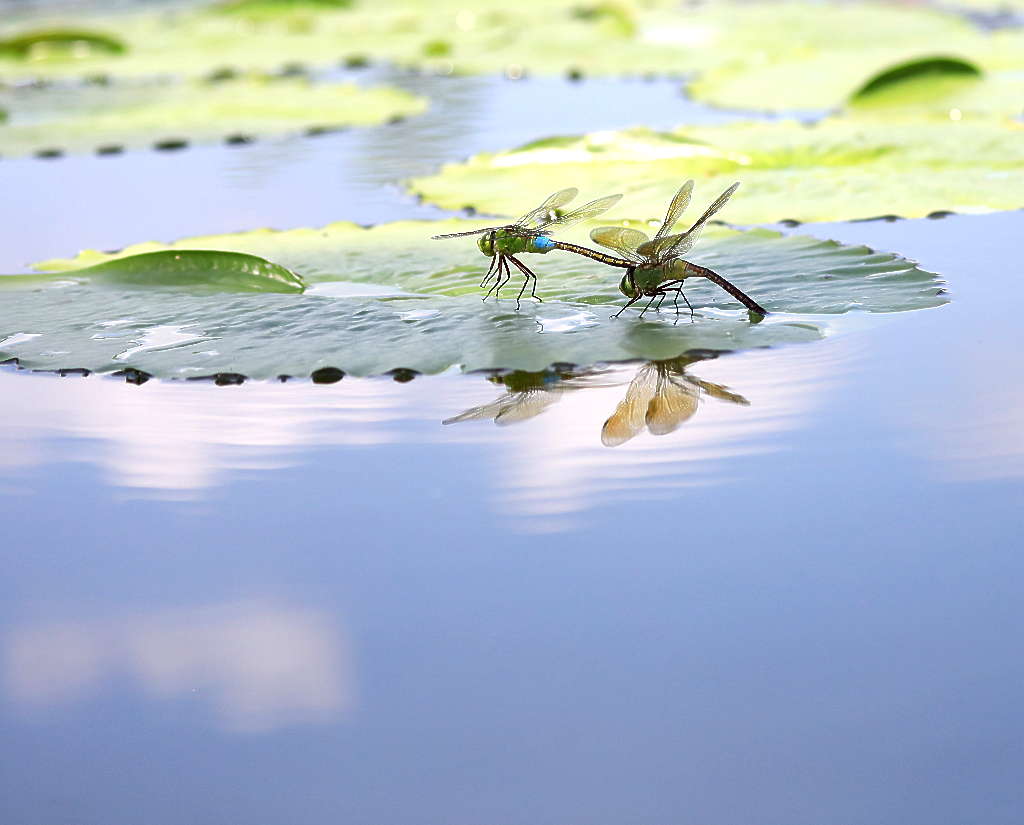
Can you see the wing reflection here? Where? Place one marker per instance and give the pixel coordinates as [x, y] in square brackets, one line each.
[527, 394]
[661, 397]
[259, 666]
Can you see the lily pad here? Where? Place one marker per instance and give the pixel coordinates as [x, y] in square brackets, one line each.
[60, 44]
[197, 269]
[626, 36]
[948, 88]
[146, 115]
[841, 168]
[388, 297]
[277, 7]
[912, 73]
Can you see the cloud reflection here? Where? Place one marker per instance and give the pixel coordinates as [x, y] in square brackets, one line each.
[258, 666]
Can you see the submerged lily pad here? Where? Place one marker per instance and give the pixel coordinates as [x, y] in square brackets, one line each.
[388, 297]
[839, 169]
[148, 115]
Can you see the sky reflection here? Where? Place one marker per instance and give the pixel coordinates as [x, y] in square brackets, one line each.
[176, 440]
[257, 667]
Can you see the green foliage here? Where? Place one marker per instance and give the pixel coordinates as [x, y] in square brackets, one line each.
[130, 116]
[60, 43]
[388, 297]
[196, 269]
[275, 7]
[912, 72]
[839, 169]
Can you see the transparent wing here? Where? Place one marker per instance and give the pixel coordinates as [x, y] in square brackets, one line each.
[621, 239]
[525, 406]
[585, 212]
[629, 416]
[676, 209]
[463, 234]
[546, 210]
[674, 402]
[677, 245]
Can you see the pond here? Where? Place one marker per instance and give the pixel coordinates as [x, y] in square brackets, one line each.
[307, 602]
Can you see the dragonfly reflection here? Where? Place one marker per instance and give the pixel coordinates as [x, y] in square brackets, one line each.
[661, 396]
[527, 394]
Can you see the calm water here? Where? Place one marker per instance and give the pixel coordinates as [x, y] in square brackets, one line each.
[306, 604]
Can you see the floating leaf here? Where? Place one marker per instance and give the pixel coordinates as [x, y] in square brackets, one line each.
[388, 297]
[146, 115]
[61, 44]
[536, 36]
[276, 7]
[841, 168]
[202, 269]
[912, 72]
[939, 86]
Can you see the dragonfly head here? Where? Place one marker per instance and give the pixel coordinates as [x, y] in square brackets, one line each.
[626, 285]
[486, 243]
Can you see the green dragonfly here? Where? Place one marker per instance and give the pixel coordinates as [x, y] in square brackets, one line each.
[654, 266]
[530, 234]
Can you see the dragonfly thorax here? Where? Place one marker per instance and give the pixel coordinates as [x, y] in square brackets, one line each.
[649, 278]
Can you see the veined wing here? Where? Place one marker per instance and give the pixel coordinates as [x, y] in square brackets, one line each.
[463, 234]
[630, 415]
[674, 402]
[676, 209]
[621, 239]
[588, 210]
[546, 210]
[675, 245]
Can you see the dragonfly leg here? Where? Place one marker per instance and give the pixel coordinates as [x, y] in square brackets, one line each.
[527, 275]
[490, 271]
[508, 276]
[500, 270]
[660, 301]
[642, 311]
[629, 303]
[687, 303]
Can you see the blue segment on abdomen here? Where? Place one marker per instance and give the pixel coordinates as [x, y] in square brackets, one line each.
[542, 243]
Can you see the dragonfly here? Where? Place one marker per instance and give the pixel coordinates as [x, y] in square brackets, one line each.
[531, 234]
[654, 266]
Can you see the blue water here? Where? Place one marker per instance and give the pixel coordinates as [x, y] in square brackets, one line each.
[299, 603]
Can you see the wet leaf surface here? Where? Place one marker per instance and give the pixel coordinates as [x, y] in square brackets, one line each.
[388, 297]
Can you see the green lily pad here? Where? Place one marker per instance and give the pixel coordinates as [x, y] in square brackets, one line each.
[146, 115]
[841, 168]
[261, 8]
[553, 36]
[60, 44]
[912, 73]
[197, 269]
[388, 297]
[938, 86]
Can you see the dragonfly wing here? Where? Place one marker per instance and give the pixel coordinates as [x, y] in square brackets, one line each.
[622, 239]
[545, 211]
[677, 245]
[588, 210]
[676, 209]
[629, 416]
[463, 234]
[492, 410]
[674, 402]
